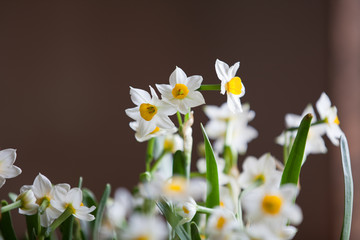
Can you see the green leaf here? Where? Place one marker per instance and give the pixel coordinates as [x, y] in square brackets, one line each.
[195, 235]
[66, 228]
[212, 177]
[33, 226]
[173, 220]
[100, 211]
[6, 226]
[349, 189]
[179, 163]
[293, 164]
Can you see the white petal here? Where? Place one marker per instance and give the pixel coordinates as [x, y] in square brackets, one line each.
[177, 76]
[42, 186]
[74, 196]
[10, 172]
[323, 104]
[194, 99]
[7, 156]
[233, 69]
[221, 70]
[234, 103]
[133, 113]
[2, 181]
[194, 82]
[153, 94]
[139, 96]
[293, 213]
[165, 90]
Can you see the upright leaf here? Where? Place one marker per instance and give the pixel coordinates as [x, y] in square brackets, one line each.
[293, 164]
[195, 235]
[100, 211]
[33, 226]
[349, 189]
[6, 226]
[179, 163]
[212, 177]
[66, 228]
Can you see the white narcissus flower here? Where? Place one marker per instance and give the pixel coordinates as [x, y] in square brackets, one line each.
[259, 171]
[45, 191]
[157, 132]
[73, 200]
[228, 128]
[145, 227]
[151, 113]
[222, 225]
[263, 231]
[272, 204]
[181, 92]
[314, 143]
[186, 209]
[28, 203]
[230, 84]
[328, 114]
[7, 169]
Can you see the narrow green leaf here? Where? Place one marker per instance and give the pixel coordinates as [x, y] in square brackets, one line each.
[179, 163]
[6, 226]
[293, 164]
[195, 235]
[349, 189]
[100, 211]
[173, 220]
[80, 182]
[212, 177]
[66, 228]
[89, 199]
[33, 226]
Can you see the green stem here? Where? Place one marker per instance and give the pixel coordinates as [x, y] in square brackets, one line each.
[210, 87]
[201, 209]
[313, 124]
[11, 206]
[44, 204]
[149, 153]
[158, 161]
[67, 213]
[179, 118]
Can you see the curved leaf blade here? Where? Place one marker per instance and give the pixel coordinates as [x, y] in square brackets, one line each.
[6, 226]
[293, 164]
[100, 211]
[349, 189]
[212, 176]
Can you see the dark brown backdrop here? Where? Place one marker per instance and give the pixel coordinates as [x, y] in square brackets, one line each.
[65, 72]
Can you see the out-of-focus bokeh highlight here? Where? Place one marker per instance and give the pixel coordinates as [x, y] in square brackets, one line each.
[66, 68]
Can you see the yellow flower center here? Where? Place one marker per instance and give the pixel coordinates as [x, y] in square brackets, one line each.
[142, 237]
[41, 200]
[69, 205]
[186, 211]
[336, 120]
[155, 130]
[176, 185]
[234, 86]
[220, 222]
[271, 204]
[222, 204]
[168, 145]
[260, 178]
[180, 91]
[147, 111]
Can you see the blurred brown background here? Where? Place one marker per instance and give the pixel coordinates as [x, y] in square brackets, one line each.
[66, 68]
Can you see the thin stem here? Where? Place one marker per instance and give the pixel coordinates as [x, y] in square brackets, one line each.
[210, 87]
[67, 213]
[149, 153]
[45, 203]
[201, 209]
[157, 162]
[11, 206]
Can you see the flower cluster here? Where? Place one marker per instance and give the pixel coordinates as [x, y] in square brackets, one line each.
[218, 201]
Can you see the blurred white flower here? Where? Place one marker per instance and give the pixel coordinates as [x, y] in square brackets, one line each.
[314, 143]
[263, 231]
[259, 171]
[28, 203]
[145, 227]
[7, 169]
[186, 209]
[328, 113]
[228, 128]
[150, 112]
[230, 84]
[181, 92]
[44, 191]
[222, 225]
[272, 204]
[73, 200]
[157, 132]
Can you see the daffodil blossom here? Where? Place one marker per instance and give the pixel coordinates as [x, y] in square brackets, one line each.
[328, 114]
[230, 84]
[157, 132]
[151, 113]
[7, 169]
[314, 143]
[182, 91]
[228, 128]
[28, 203]
[44, 192]
[272, 204]
[222, 225]
[73, 200]
[145, 227]
[259, 171]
